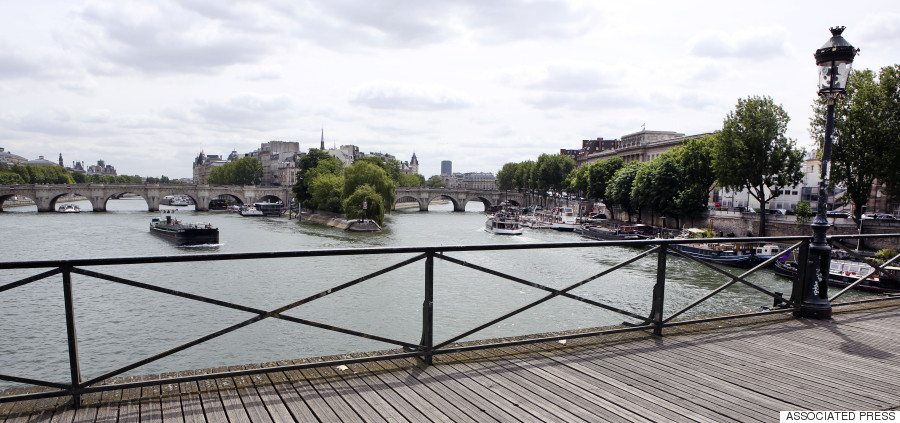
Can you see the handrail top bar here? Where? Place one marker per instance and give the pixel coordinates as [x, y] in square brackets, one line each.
[379, 250]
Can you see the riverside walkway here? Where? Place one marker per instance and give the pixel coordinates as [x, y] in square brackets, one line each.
[738, 370]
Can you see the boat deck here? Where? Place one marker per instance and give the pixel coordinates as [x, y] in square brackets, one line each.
[746, 370]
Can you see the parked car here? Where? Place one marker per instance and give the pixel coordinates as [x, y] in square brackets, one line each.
[885, 217]
[844, 215]
[867, 216]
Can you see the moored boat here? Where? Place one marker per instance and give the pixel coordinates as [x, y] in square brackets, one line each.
[559, 218]
[182, 233]
[845, 272]
[727, 253]
[627, 232]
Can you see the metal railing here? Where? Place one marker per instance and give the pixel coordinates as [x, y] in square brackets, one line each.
[655, 319]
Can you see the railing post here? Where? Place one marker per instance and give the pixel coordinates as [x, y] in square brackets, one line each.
[659, 291]
[428, 310]
[74, 366]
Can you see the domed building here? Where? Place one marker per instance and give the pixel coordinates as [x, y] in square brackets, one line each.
[10, 159]
[41, 161]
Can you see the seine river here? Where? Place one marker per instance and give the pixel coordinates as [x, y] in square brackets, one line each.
[118, 324]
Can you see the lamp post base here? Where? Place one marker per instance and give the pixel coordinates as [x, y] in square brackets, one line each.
[815, 311]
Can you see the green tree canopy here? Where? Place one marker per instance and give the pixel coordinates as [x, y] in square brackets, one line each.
[657, 184]
[863, 133]
[506, 177]
[599, 175]
[307, 162]
[243, 171]
[525, 175]
[435, 182]
[34, 174]
[753, 153]
[365, 173]
[552, 170]
[412, 180]
[618, 190]
[375, 208]
[326, 189]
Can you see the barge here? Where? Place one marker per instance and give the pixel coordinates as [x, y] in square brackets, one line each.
[182, 233]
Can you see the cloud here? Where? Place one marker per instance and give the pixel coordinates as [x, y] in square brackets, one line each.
[759, 44]
[13, 65]
[249, 111]
[571, 79]
[400, 97]
[414, 23]
[162, 37]
[883, 28]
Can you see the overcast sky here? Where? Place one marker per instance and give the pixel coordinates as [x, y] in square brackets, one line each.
[147, 85]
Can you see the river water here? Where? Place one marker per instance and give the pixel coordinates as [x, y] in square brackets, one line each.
[118, 324]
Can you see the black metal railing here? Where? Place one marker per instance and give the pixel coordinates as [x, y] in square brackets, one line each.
[654, 319]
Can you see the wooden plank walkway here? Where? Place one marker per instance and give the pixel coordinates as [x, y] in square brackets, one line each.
[724, 371]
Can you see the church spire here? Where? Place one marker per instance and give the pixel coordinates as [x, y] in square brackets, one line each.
[322, 147]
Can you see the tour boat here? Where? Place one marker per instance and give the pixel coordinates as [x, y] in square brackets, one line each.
[69, 208]
[250, 211]
[503, 224]
[184, 233]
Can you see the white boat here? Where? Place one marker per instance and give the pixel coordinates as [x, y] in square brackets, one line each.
[250, 211]
[503, 224]
[559, 218]
[69, 208]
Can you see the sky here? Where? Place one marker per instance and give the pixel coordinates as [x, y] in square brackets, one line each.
[146, 86]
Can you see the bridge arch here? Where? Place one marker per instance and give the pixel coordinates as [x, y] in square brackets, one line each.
[459, 204]
[407, 198]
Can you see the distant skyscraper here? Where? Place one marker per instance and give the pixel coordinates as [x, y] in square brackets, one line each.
[446, 167]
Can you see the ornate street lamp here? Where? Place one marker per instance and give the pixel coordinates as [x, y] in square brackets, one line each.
[834, 60]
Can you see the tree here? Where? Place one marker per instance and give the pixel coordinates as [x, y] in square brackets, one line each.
[506, 177]
[618, 190]
[889, 87]
[578, 180]
[243, 171]
[310, 161]
[695, 159]
[863, 134]
[435, 182]
[803, 212]
[656, 185]
[525, 175]
[326, 190]
[412, 180]
[365, 173]
[374, 210]
[247, 171]
[599, 175]
[551, 172]
[752, 152]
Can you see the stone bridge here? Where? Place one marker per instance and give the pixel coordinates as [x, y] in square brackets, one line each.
[459, 197]
[46, 196]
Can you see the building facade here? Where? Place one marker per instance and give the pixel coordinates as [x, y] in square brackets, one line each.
[446, 167]
[10, 159]
[641, 146]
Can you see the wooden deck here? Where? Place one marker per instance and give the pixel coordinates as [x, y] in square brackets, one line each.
[722, 372]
